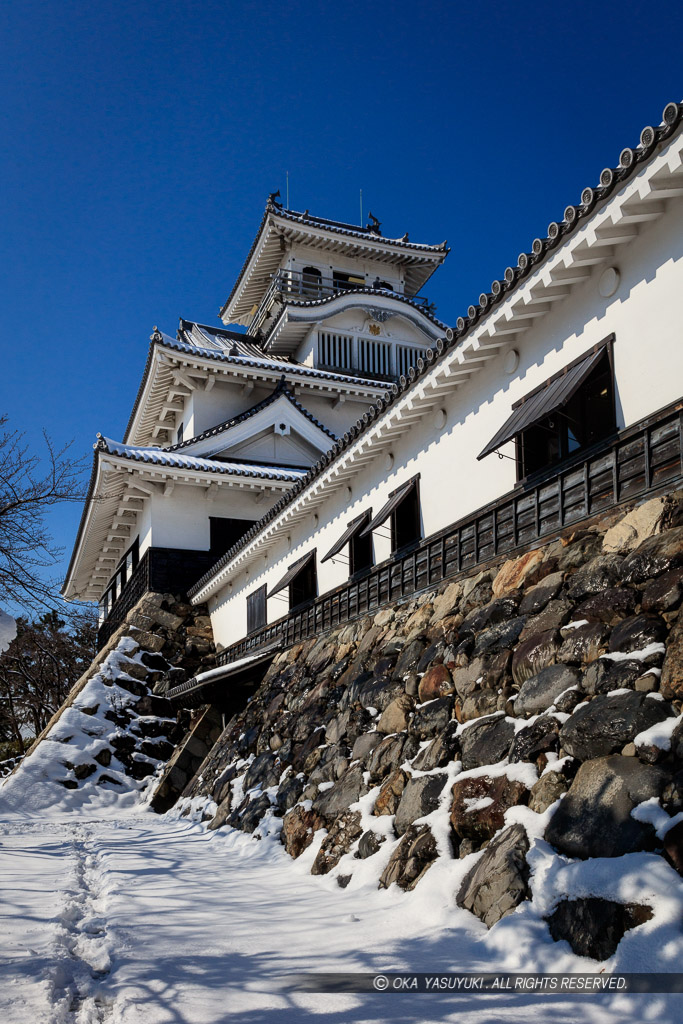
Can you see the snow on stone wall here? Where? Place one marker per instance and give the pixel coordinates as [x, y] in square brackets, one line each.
[105, 746]
[515, 739]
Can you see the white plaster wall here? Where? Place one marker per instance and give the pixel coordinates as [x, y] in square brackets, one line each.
[182, 519]
[221, 403]
[645, 316]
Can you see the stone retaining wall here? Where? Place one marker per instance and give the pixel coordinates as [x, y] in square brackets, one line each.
[163, 642]
[552, 683]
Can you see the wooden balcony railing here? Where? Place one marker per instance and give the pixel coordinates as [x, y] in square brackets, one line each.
[160, 570]
[643, 459]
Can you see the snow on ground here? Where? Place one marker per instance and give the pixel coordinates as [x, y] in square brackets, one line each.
[137, 918]
[112, 914]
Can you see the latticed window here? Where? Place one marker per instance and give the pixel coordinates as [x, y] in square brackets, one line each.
[335, 350]
[374, 357]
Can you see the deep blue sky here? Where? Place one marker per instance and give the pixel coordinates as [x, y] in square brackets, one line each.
[141, 140]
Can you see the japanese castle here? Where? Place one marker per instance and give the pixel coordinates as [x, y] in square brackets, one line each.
[350, 448]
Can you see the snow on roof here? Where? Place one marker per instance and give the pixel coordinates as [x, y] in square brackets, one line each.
[174, 459]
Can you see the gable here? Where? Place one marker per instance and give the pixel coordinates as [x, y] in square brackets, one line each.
[278, 424]
[274, 445]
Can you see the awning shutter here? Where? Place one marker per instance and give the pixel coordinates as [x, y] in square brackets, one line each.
[386, 510]
[292, 573]
[354, 527]
[544, 402]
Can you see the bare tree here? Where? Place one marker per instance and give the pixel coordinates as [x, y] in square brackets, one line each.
[39, 668]
[29, 487]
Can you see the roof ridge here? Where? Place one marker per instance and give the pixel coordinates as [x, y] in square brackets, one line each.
[407, 299]
[161, 456]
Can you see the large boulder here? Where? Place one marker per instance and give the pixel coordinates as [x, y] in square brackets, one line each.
[594, 818]
[594, 927]
[555, 614]
[334, 801]
[672, 668]
[396, 715]
[610, 721]
[499, 881]
[420, 797]
[479, 805]
[345, 830]
[388, 753]
[634, 527]
[536, 599]
[538, 738]
[298, 829]
[410, 860]
[654, 556]
[637, 632]
[441, 750]
[499, 610]
[534, 653]
[436, 682]
[538, 693]
[512, 573]
[583, 644]
[609, 606]
[432, 717]
[664, 593]
[502, 636]
[390, 793]
[487, 741]
[549, 788]
[599, 574]
[487, 670]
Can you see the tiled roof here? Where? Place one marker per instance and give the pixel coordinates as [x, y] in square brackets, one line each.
[175, 460]
[305, 219]
[380, 292]
[354, 230]
[611, 179]
[232, 343]
[259, 361]
[281, 390]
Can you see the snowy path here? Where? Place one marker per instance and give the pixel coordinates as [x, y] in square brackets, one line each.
[147, 920]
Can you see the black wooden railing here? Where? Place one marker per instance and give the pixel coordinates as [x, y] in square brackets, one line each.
[136, 586]
[161, 570]
[645, 458]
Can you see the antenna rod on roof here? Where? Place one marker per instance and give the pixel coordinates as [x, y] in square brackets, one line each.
[287, 189]
[361, 207]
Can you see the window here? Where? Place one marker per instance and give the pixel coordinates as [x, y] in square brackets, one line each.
[257, 615]
[405, 520]
[407, 357]
[360, 544]
[360, 553]
[181, 430]
[571, 411]
[304, 587]
[342, 281]
[311, 282]
[587, 417]
[301, 579]
[335, 350]
[225, 532]
[404, 508]
[374, 357]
